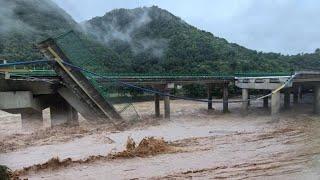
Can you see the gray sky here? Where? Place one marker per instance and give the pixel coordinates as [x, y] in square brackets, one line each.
[284, 26]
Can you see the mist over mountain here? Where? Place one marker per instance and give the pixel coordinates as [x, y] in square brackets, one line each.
[25, 22]
[152, 39]
[148, 39]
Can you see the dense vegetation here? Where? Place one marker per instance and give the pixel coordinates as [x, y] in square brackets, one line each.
[154, 40]
[25, 22]
[139, 40]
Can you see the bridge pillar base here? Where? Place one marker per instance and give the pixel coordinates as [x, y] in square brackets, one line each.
[225, 98]
[157, 105]
[167, 105]
[316, 100]
[63, 113]
[31, 120]
[295, 96]
[275, 105]
[287, 94]
[209, 92]
[245, 103]
[265, 102]
[300, 94]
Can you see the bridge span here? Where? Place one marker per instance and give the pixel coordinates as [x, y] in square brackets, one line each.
[28, 94]
[68, 89]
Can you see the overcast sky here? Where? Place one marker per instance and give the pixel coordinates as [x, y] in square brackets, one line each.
[284, 26]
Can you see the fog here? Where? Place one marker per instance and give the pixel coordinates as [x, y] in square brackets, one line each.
[284, 26]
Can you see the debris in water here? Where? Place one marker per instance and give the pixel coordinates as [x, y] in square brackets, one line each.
[147, 146]
[131, 145]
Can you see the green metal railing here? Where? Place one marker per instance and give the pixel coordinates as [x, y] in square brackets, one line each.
[36, 73]
[50, 72]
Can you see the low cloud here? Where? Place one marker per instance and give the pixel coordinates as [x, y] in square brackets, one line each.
[113, 30]
[9, 21]
[285, 26]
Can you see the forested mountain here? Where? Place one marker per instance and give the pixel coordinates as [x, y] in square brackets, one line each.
[25, 22]
[140, 40]
[154, 40]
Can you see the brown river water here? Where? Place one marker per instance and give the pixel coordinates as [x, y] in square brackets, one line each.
[211, 145]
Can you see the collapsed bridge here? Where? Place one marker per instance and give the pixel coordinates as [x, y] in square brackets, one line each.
[68, 87]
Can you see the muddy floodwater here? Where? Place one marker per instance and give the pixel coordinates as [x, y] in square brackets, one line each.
[208, 144]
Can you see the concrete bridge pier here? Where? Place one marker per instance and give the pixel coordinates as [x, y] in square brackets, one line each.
[300, 94]
[266, 102]
[296, 95]
[63, 113]
[245, 103]
[25, 103]
[31, 119]
[287, 94]
[166, 104]
[157, 105]
[165, 88]
[316, 103]
[225, 97]
[209, 92]
[275, 105]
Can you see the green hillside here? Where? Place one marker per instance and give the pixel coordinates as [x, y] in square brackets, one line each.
[139, 40]
[154, 40]
[25, 22]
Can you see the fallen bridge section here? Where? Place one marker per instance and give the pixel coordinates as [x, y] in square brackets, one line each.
[80, 92]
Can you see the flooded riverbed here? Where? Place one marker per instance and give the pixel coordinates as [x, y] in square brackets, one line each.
[211, 145]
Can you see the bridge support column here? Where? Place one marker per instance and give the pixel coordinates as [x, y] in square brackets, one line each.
[295, 95]
[31, 119]
[167, 104]
[275, 105]
[300, 94]
[209, 92]
[316, 100]
[63, 113]
[225, 98]
[245, 103]
[157, 105]
[287, 94]
[265, 102]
